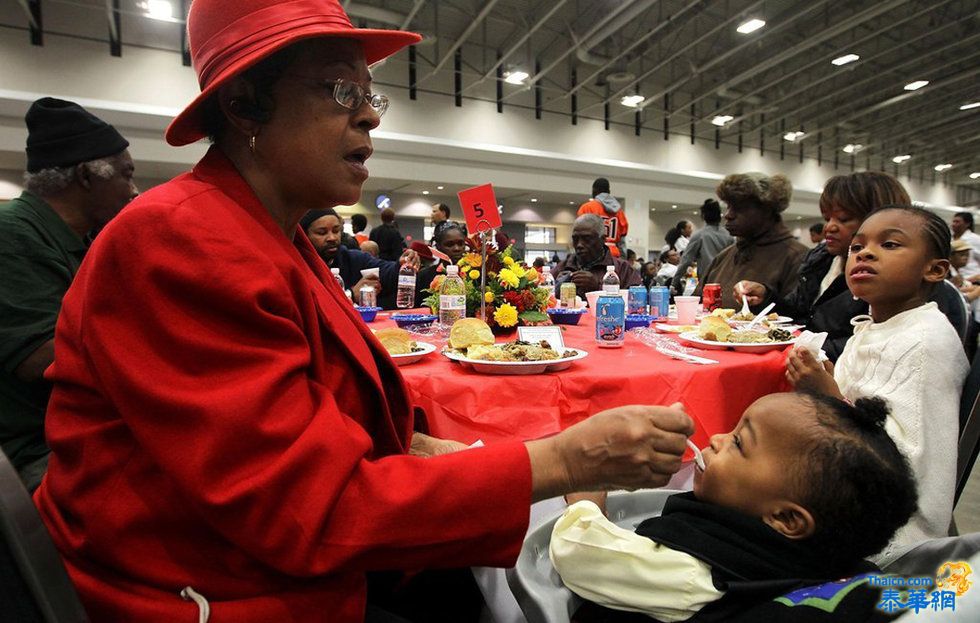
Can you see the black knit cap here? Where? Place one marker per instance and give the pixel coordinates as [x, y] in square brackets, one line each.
[63, 134]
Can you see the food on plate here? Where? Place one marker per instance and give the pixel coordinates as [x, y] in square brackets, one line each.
[723, 313]
[778, 334]
[468, 332]
[749, 337]
[676, 328]
[396, 341]
[750, 316]
[714, 329]
[515, 351]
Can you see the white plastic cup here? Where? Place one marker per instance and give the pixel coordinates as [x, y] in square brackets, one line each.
[687, 308]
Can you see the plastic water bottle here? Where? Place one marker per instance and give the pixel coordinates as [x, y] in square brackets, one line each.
[548, 281]
[406, 287]
[340, 281]
[610, 283]
[452, 298]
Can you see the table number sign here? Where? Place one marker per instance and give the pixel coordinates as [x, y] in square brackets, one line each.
[480, 208]
[550, 334]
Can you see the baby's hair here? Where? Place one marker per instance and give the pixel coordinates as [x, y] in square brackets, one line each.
[853, 479]
[936, 230]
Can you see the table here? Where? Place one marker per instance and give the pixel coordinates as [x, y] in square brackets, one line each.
[467, 406]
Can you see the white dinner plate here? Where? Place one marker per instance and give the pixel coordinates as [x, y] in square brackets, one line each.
[409, 358]
[779, 320]
[692, 338]
[518, 367]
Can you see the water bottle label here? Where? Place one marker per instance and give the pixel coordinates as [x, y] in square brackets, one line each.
[406, 280]
[610, 288]
[452, 301]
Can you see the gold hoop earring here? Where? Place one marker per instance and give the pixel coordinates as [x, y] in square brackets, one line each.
[251, 144]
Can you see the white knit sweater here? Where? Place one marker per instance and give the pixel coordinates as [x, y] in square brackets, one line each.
[916, 362]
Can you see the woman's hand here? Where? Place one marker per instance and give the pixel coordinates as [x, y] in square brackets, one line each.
[426, 446]
[630, 448]
[411, 258]
[754, 292]
[808, 374]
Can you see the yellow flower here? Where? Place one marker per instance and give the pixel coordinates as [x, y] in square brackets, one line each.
[488, 297]
[474, 275]
[506, 315]
[508, 261]
[472, 259]
[518, 270]
[508, 278]
[532, 275]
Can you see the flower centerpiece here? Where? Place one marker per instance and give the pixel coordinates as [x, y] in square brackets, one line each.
[512, 294]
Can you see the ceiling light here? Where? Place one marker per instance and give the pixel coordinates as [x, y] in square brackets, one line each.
[516, 77]
[571, 203]
[425, 192]
[844, 60]
[673, 207]
[750, 26]
[975, 175]
[915, 86]
[943, 167]
[534, 200]
[721, 120]
[969, 106]
[439, 187]
[159, 9]
[653, 209]
[632, 100]
[901, 159]
[852, 148]
[792, 137]
[799, 218]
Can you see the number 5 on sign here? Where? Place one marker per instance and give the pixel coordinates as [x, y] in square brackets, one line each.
[480, 208]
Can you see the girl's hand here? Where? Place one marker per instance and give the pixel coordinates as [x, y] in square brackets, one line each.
[808, 374]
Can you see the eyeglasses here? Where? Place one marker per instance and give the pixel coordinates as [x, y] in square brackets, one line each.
[350, 94]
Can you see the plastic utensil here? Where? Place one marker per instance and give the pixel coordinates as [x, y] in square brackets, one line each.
[698, 458]
[760, 316]
[745, 302]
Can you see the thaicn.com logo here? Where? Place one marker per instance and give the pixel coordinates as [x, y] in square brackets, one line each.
[918, 593]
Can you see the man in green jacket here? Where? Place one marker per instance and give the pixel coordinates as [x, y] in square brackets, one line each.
[79, 176]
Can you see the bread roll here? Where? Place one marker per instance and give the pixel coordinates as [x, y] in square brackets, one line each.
[714, 329]
[468, 332]
[396, 341]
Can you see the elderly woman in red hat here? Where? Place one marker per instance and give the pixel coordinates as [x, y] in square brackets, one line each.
[227, 436]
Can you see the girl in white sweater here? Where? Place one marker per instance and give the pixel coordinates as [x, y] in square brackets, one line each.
[906, 352]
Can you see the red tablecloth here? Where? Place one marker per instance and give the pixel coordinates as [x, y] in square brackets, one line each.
[466, 406]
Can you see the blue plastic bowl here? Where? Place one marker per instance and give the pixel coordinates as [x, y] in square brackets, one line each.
[634, 321]
[562, 315]
[413, 320]
[367, 313]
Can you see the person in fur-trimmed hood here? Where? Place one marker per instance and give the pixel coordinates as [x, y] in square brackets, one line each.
[764, 251]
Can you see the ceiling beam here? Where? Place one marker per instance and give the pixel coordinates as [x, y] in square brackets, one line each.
[462, 38]
[823, 60]
[846, 24]
[411, 14]
[115, 28]
[514, 48]
[32, 8]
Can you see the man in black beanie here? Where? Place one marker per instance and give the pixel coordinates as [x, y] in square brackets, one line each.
[79, 176]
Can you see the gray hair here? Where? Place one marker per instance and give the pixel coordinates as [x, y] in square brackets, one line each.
[53, 180]
[593, 222]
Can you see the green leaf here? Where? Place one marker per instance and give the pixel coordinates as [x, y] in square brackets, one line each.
[533, 316]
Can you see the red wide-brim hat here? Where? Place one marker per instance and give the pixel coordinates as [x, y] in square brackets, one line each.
[229, 36]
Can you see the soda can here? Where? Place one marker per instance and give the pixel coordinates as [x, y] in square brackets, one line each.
[568, 293]
[711, 296]
[637, 300]
[610, 321]
[659, 301]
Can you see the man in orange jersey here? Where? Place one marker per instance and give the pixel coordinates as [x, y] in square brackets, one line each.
[608, 209]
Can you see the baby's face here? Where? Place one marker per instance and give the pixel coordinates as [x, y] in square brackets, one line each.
[751, 469]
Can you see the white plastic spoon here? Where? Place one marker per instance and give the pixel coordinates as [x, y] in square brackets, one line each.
[761, 315]
[698, 458]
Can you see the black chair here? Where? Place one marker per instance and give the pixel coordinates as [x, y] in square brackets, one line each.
[969, 443]
[952, 303]
[34, 586]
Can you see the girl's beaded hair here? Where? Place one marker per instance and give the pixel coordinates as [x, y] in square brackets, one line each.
[936, 231]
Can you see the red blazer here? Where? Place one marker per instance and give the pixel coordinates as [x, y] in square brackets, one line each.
[222, 419]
